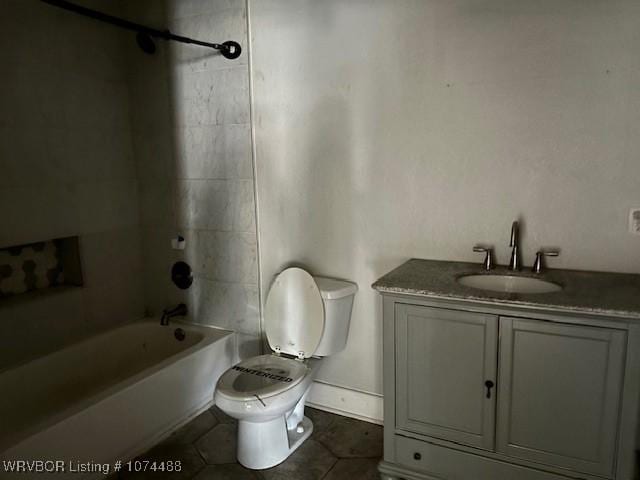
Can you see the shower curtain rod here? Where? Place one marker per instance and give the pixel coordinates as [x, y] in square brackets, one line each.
[228, 49]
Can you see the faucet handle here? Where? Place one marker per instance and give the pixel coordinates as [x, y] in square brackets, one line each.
[487, 264]
[537, 265]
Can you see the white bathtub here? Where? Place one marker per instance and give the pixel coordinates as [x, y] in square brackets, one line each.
[109, 397]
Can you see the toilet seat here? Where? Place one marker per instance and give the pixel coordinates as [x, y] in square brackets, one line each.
[263, 376]
[294, 316]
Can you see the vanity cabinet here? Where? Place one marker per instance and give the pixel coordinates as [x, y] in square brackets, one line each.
[559, 393]
[476, 394]
[444, 359]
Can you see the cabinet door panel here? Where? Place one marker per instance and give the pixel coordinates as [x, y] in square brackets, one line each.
[444, 358]
[560, 389]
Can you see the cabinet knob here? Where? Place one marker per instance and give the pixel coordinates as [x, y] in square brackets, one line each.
[417, 456]
[489, 385]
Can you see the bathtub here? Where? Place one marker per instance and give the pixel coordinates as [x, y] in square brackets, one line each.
[109, 397]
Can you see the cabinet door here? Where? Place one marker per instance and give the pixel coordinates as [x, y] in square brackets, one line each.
[560, 389]
[444, 359]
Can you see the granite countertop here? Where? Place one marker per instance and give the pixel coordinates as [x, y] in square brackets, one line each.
[611, 294]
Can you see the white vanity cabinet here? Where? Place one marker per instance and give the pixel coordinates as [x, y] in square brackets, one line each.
[482, 393]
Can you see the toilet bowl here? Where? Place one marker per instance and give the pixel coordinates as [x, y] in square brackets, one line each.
[305, 318]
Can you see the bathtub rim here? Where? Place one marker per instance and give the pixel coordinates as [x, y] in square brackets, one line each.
[211, 335]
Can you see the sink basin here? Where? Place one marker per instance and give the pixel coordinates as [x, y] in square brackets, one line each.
[509, 284]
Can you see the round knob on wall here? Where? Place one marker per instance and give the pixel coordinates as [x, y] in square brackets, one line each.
[181, 275]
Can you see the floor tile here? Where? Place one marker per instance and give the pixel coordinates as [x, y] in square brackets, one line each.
[230, 471]
[321, 420]
[221, 416]
[339, 448]
[219, 444]
[311, 461]
[354, 469]
[193, 430]
[350, 438]
[190, 463]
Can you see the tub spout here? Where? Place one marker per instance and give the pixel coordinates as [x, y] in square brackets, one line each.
[179, 311]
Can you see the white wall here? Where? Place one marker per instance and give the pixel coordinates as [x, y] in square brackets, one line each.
[389, 130]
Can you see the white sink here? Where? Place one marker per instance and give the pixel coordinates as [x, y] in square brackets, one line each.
[508, 284]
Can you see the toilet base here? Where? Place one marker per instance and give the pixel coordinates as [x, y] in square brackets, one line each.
[265, 445]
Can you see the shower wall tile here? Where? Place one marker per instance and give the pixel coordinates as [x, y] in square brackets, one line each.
[157, 259]
[34, 213]
[36, 325]
[151, 110]
[91, 104]
[148, 12]
[113, 304]
[226, 205]
[113, 271]
[227, 305]
[157, 203]
[154, 155]
[36, 96]
[190, 111]
[225, 24]
[54, 156]
[214, 97]
[64, 99]
[111, 257]
[21, 105]
[89, 154]
[156, 287]
[157, 253]
[222, 256]
[219, 152]
[176, 9]
[20, 155]
[67, 166]
[25, 43]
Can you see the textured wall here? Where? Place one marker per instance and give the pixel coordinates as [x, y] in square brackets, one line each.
[192, 141]
[389, 130]
[66, 168]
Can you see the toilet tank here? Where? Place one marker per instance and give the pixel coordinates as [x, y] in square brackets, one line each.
[337, 296]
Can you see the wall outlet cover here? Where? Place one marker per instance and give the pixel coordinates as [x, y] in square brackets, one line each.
[634, 221]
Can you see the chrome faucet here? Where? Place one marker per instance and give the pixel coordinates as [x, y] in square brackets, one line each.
[514, 263]
[179, 311]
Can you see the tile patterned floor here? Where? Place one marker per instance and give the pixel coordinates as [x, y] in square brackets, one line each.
[340, 448]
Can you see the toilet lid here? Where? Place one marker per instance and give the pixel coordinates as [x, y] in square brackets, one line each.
[264, 376]
[294, 313]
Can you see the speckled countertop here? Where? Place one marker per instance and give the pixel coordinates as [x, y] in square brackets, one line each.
[611, 294]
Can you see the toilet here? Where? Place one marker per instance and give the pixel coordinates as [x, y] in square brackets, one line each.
[305, 318]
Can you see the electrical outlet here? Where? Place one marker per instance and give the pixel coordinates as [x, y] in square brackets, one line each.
[634, 221]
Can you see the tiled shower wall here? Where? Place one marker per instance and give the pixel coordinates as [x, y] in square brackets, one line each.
[190, 119]
[67, 169]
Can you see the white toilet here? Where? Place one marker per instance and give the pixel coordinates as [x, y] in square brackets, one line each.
[305, 316]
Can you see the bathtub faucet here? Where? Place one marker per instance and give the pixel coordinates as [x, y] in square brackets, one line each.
[179, 311]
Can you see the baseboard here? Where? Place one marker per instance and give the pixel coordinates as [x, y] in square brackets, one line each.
[346, 402]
